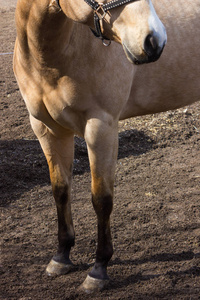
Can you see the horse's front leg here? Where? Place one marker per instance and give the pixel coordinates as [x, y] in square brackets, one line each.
[102, 142]
[59, 152]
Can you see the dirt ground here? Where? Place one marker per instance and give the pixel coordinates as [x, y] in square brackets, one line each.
[156, 217]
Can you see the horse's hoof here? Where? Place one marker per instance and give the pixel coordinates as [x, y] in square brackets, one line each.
[55, 268]
[91, 284]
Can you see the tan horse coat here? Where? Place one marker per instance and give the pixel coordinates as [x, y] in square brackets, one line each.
[71, 84]
[174, 80]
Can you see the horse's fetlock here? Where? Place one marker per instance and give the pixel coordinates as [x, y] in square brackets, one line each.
[103, 255]
[66, 242]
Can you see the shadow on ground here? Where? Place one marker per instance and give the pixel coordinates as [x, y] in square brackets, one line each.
[24, 166]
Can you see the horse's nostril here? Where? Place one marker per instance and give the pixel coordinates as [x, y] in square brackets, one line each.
[150, 45]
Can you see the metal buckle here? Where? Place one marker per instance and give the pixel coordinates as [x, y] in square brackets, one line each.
[100, 11]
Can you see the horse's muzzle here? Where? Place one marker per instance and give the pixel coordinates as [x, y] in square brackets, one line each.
[151, 51]
[152, 48]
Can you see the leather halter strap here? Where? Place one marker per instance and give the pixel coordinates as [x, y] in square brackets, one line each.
[107, 6]
[100, 10]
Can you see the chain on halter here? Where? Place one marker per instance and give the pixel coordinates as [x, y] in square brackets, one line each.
[100, 11]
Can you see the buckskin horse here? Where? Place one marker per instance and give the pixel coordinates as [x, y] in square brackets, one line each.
[72, 84]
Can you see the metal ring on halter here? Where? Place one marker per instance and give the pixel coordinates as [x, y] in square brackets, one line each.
[100, 11]
[106, 43]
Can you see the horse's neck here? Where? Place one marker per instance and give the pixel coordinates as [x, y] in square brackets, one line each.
[43, 30]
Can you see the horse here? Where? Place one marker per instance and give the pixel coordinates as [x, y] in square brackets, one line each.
[173, 81]
[73, 84]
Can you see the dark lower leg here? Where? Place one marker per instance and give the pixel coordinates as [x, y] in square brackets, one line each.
[65, 240]
[65, 227]
[103, 208]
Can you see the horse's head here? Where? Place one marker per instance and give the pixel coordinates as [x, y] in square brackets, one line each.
[140, 31]
[132, 23]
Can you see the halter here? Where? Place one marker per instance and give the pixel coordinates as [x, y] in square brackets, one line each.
[100, 11]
